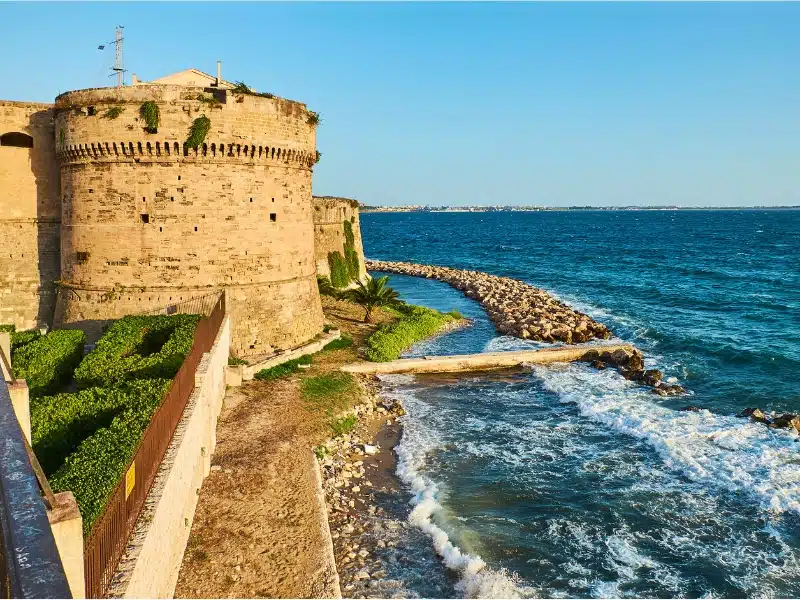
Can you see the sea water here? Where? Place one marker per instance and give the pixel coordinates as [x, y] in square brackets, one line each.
[565, 481]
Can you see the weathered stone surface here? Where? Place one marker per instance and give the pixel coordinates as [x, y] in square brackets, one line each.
[30, 215]
[148, 223]
[330, 213]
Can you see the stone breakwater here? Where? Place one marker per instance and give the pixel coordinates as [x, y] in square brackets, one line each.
[527, 312]
[516, 308]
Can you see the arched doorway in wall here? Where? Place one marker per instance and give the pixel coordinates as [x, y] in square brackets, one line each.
[16, 139]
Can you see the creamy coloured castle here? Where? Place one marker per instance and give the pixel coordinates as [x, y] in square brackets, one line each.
[121, 200]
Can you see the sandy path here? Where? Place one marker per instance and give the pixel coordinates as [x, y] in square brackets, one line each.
[258, 529]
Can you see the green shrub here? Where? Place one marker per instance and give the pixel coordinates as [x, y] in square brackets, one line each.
[198, 131]
[152, 117]
[343, 342]
[455, 314]
[139, 347]
[235, 361]
[47, 362]
[242, 88]
[113, 112]
[344, 425]
[94, 469]
[340, 274]
[415, 324]
[8, 327]
[283, 369]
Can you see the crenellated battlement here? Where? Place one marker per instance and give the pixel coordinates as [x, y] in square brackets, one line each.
[142, 207]
[148, 150]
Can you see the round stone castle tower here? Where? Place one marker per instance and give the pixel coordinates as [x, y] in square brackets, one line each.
[148, 222]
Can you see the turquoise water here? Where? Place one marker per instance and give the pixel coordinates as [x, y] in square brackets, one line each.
[570, 482]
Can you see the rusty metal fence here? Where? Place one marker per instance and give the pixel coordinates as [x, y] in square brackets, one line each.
[199, 305]
[105, 545]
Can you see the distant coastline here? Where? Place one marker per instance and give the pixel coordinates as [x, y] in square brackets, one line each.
[459, 209]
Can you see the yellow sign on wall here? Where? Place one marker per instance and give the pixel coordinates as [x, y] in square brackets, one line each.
[130, 480]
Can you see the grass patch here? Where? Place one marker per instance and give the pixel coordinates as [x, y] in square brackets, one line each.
[47, 362]
[331, 392]
[342, 342]
[344, 425]
[234, 361]
[415, 323]
[283, 369]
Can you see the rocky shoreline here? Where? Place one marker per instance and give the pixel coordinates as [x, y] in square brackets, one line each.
[516, 308]
[353, 467]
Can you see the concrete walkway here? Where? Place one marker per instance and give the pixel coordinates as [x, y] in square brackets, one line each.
[484, 361]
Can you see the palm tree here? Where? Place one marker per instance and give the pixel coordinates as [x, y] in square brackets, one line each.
[326, 288]
[372, 295]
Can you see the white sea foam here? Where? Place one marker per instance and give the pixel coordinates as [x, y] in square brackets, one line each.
[717, 450]
[477, 579]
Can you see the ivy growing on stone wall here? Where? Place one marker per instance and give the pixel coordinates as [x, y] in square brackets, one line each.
[313, 118]
[350, 254]
[113, 112]
[319, 155]
[198, 131]
[210, 101]
[151, 115]
[340, 274]
[62, 137]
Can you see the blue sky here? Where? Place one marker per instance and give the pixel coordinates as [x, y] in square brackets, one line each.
[480, 103]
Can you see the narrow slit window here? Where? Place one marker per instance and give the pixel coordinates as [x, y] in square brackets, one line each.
[273, 217]
[145, 218]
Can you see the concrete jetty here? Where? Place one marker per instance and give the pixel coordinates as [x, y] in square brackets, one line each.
[486, 361]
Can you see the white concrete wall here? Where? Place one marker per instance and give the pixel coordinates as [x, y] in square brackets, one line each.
[155, 551]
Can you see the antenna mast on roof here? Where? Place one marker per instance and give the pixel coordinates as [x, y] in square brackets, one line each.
[118, 68]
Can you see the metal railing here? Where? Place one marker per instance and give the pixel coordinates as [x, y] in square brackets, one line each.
[199, 305]
[105, 545]
[30, 566]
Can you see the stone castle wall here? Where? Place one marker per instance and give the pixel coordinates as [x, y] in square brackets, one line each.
[30, 214]
[329, 216]
[147, 222]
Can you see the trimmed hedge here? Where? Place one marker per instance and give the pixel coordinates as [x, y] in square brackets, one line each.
[20, 338]
[138, 347]
[98, 462]
[61, 422]
[415, 324]
[47, 362]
